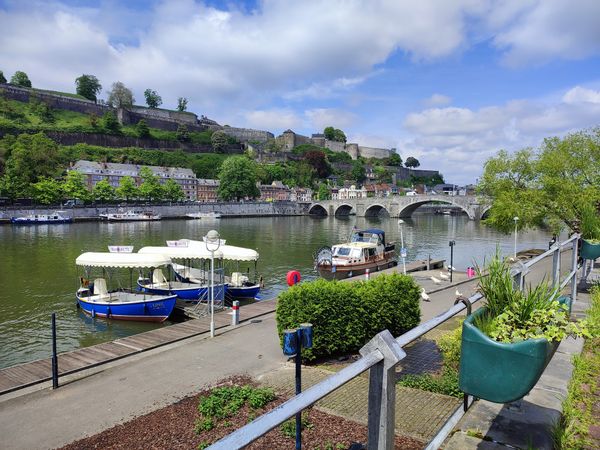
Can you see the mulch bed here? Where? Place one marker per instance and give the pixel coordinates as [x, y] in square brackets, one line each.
[172, 427]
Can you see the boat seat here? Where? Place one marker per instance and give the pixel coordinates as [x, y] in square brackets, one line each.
[100, 288]
[158, 278]
[238, 279]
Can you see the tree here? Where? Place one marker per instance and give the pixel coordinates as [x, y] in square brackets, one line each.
[182, 134]
[207, 165]
[412, 162]
[334, 134]
[47, 191]
[358, 171]
[127, 189]
[182, 104]
[394, 160]
[324, 192]
[20, 79]
[110, 122]
[237, 179]
[219, 141]
[120, 96]
[2, 78]
[150, 188]
[382, 175]
[153, 100]
[74, 186]
[88, 86]
[552, 186]
[172, 191]
[318, 161]
[103, 191]
[142, 129]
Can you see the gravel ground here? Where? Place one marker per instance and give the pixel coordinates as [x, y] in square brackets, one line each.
[172, 427]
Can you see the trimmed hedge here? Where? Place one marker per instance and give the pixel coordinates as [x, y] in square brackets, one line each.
[346, 315]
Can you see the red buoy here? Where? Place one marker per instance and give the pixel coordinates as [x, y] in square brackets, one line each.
[293, 277]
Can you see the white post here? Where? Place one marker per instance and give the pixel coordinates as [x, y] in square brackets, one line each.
[212, 294]
[516, 219]
[401, 222]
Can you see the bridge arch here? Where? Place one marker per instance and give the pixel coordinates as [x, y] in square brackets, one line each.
[343, 210]
[484, 212]
[375, 210]
[316, 209]
[406, 211]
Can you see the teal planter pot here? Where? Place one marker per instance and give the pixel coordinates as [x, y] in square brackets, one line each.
[589, 251]
[500, 372]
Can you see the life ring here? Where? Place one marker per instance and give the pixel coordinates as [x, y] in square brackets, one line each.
[293, 277]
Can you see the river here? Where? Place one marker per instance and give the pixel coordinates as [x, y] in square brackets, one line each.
[38, 275]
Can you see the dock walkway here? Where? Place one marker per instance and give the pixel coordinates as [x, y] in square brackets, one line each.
[29, 374]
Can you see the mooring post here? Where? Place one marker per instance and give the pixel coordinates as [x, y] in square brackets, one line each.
[382, 391]
[574, 270]
[235, 313]
[556, 267]
[54, 355]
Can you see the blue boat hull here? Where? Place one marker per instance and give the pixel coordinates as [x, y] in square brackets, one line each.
[17, 221]
[147, 311]
[191, 294]
[243, 292]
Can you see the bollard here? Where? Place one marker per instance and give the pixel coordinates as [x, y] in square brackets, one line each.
[367, 276]
[54, 355]
[235, 313]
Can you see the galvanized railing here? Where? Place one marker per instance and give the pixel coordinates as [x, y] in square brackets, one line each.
[380, 356]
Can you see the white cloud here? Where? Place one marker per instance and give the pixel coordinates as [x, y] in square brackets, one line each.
[438, 100]
[274, 119]
[459, 140]
[320, 118]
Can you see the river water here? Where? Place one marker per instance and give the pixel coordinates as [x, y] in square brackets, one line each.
[38, 275]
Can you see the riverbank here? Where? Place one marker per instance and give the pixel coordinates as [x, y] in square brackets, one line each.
[226, 209]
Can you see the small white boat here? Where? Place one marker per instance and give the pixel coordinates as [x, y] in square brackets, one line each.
[204, 215]
[33, 219]
[131, 216]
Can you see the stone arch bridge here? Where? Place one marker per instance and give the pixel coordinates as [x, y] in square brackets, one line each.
[396, 206]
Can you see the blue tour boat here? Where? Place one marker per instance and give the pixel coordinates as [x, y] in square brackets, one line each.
[35, 219]
[124, 304]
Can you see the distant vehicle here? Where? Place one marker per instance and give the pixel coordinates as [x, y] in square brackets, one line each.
[73, 202]
[411, 193]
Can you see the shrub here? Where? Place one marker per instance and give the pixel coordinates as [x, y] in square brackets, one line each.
[345, 315]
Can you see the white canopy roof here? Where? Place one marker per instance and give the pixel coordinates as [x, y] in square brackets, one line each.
[192, 252]
[126, 260]
[230, 252]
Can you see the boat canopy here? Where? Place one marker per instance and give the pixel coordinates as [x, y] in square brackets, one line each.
[122, 260]
[358, 235]
[230, 252]
[192, 252]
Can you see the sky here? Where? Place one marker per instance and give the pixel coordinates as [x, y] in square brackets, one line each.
[448, 82]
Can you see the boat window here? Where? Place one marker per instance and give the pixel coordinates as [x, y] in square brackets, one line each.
[356, 253]
[342, 251]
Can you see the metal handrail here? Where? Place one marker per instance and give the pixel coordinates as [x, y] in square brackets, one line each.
[384, 422]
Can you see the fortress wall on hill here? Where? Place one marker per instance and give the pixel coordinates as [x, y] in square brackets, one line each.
[247, 134]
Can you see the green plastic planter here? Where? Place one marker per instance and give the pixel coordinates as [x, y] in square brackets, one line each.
[500, 372]
[589, 251]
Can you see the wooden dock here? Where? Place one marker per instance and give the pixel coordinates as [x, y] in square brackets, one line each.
[29, 374]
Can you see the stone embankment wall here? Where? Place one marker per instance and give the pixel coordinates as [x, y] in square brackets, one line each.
[249, 209]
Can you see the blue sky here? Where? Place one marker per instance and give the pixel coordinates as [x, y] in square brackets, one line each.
[449, 83]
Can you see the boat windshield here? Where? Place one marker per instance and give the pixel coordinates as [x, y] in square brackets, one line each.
[370, 238]
[341, 251]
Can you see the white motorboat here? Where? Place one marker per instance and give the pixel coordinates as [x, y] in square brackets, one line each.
[33, 219]
[204, 215]
[131, 216]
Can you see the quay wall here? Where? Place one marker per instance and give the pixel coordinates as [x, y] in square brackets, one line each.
[227, 209]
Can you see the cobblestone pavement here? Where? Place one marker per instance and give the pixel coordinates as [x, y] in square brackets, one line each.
[419, 414]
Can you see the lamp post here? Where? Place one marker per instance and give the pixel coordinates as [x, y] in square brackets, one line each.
[402, 249]
[451, 244]
[516, 219]
[212, 240]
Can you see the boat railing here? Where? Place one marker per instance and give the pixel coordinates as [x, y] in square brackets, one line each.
[380, 357]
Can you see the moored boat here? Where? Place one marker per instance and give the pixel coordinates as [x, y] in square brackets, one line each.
[33, 219]
[131, 216]
[204, 215]
[123, 304]
[367, 249]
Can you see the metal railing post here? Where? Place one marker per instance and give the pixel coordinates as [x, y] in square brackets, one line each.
[574, 270]
[382, 391]
[556, 266]
[54, 354]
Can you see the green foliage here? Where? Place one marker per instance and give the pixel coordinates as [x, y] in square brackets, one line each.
[110, 122]
[394, 160]
[449, 344]
[20, 79]
[412, 162]
[288, 428]
[318, 162]
[345, 315]
[205, 424]
[120, 96]
[219, 141]
[445, 383]
[496, 284]
[182, 104]
[303, 148]
[359, 173]
[150, 189]
[41, 110]
[88, 86]
[204, 444]
[226, 401]
[237, 179]
[127, 189]
[103, 191]
[182, 134]
[590, 223]
[47, 191]
[2, 77]
[142, 129]
[74, 186]
[172, 191]
[208, 165]
[324, 192]
[153, 100]
[334, 134]
[544, 187]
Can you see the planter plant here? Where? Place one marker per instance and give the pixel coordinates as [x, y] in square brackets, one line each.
[507, 344]
[590, 233]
